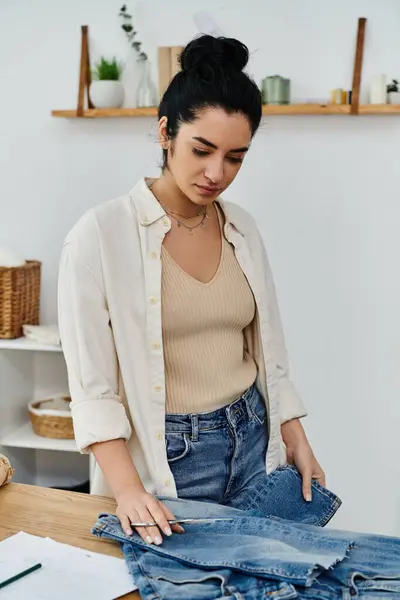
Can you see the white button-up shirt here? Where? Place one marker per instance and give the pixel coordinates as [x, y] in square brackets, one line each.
[110, 322]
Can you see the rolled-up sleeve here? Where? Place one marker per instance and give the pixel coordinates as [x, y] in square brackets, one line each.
[290, 404]
[88, 345]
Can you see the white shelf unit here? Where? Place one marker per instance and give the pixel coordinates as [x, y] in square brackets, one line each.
[32, 371]
[26, 344]
[25, 437]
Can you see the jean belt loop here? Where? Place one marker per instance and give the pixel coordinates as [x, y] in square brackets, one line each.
[195, 427]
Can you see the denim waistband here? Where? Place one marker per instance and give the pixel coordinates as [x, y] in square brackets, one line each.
[232, 414]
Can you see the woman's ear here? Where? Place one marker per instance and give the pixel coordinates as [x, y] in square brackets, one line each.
[163, 133]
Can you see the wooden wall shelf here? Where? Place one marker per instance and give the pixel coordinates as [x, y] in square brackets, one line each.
[379, 109]
[101, 113]
[289, 109]
[268, 109]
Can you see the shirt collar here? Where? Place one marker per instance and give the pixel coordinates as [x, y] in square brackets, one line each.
[149, 209]
[232, 216]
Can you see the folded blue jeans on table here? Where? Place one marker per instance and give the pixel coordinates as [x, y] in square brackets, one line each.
[250, 557]
[246, 557]
[253, 557]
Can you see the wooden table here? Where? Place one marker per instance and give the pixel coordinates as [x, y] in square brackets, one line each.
[64, 516]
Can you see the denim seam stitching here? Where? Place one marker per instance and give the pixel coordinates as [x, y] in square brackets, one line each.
[257, 419]
[253, 502]
[255, 416]
[188, 431]
[314, 484]
[184, 453]
[149, 583]
[233, 591]
[322, 522]
[231, 462]
[336, 502]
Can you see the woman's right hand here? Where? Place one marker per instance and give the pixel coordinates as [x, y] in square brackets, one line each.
[135, 505]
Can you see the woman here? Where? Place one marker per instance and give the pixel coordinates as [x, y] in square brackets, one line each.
[169, 323]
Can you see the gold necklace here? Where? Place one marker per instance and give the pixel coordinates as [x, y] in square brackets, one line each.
[180, 223]
[173, 212]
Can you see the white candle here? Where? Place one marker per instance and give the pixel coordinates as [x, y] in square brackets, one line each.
[377, 89]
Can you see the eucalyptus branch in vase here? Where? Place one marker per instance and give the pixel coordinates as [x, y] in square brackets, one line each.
[130, 32]
[146, 93]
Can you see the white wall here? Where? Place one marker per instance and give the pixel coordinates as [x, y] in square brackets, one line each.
[324, 190]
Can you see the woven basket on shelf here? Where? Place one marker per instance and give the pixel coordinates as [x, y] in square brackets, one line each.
[51, 418]
[19, 298]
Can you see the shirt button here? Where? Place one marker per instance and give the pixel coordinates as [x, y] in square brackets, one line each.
[168, 482]
[153, 300]
[156, 346]
[165, 222]
[154, 255]
[157, 388]
[145, 220]
[159, 436]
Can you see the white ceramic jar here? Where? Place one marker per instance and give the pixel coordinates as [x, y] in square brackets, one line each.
[106, 94]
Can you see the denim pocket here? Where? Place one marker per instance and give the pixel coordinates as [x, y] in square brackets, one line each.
[258, 410]
[280, 494]
[177, 446]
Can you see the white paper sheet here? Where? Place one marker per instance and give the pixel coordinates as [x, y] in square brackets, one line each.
[67, 572]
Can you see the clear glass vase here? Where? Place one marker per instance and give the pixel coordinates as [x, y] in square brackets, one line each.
[146, 94]
[131, 75]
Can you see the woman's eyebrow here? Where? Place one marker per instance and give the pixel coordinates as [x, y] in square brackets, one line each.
[211, 145]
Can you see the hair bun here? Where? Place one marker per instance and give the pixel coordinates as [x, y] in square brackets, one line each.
[207, 53]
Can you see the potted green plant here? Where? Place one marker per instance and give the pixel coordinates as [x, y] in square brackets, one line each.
[393, 92]
[106, 89]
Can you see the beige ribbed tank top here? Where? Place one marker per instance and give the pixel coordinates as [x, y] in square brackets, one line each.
[207, 365]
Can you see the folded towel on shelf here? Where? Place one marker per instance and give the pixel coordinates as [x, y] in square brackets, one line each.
[9, 259]
[6, 471]
[43, 334]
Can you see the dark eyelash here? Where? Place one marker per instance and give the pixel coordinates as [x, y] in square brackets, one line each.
[205, 153]
[200, 152]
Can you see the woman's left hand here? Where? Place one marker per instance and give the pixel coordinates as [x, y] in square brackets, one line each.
[300, 454]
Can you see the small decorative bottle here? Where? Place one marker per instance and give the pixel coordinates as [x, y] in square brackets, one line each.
[146, 94]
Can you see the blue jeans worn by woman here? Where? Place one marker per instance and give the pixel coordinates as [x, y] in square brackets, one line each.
[220, 457]
[273, 547]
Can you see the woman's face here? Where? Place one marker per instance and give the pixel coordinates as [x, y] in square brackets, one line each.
[206, 155]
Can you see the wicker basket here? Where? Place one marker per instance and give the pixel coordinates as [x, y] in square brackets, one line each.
[51, 418]
[19, 298]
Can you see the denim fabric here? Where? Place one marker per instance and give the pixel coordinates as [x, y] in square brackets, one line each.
[271, 548]
[248, 557]
[372, 571]
[253, 557]
[220, 457]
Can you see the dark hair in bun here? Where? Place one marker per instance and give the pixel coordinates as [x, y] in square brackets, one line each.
[214, 54]
[211, 76]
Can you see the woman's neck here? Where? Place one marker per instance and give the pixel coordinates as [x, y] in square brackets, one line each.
[168, 193]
